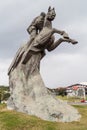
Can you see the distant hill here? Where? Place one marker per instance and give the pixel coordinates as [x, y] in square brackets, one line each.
[5, 88]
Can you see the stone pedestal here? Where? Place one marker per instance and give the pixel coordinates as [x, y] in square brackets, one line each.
[32, 97]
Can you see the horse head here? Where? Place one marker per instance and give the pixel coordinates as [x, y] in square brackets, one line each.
[51, 14]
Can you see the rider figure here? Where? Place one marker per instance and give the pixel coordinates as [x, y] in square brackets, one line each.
[36, 26]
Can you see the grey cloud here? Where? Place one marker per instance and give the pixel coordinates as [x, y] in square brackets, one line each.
[63, 70]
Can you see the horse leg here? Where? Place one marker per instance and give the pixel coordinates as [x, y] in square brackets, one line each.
[70, 40]
[53, 45]
[58, 42]
[65, 36]
[54, 30]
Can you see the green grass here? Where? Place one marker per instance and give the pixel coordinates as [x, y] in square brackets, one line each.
[12, 120]
[69, 99]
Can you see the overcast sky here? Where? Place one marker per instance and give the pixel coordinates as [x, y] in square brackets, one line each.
[64, 66]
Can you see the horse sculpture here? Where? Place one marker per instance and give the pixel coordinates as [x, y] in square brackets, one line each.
[44, 40]
[28, 92]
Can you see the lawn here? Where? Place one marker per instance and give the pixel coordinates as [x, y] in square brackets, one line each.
[12, 120]
[70, 99]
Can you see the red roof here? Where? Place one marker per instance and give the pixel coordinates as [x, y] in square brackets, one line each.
[75, 87]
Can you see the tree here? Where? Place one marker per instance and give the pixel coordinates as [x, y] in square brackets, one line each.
[62, 91]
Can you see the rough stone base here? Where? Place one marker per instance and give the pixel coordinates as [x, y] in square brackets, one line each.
[33, 98]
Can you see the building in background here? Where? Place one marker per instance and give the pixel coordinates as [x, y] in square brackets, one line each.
[77, 90]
